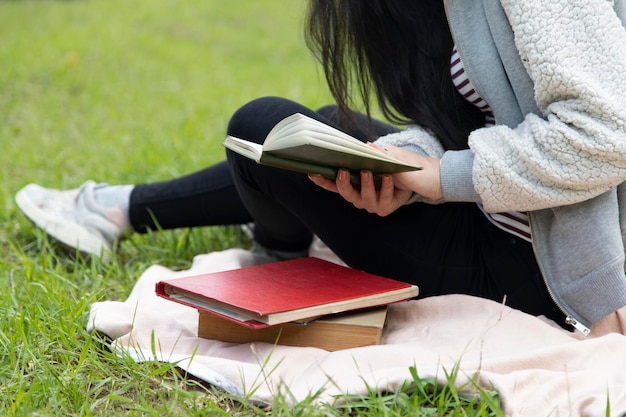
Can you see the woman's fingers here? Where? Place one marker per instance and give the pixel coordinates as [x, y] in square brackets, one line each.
[368, 195]
[376, 195]
[324, 182]
[346, 189]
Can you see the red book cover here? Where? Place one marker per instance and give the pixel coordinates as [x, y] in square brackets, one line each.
[284, 291]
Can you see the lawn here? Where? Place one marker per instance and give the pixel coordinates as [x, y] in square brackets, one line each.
[128, 92]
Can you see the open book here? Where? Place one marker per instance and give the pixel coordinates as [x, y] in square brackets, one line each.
[285, 291]
[300, 143]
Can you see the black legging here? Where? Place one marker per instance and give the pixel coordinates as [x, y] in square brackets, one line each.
[209, 197]
[446, 248]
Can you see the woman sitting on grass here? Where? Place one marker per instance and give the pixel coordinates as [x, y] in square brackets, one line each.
[515, 109]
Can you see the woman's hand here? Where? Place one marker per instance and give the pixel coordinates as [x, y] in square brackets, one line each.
[425, 182]
[394, 190]
[382, 200]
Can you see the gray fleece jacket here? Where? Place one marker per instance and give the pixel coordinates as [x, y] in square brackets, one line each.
[552, 71]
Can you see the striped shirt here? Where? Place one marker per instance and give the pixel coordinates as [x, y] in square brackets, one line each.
[515, 223]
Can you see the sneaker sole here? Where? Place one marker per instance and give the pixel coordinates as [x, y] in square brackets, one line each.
[70, 234]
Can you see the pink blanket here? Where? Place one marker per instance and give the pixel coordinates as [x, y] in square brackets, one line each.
[537, 368]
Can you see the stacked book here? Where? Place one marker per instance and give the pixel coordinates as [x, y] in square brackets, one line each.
[300, 302]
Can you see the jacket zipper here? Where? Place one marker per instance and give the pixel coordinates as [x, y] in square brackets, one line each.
[569, 319]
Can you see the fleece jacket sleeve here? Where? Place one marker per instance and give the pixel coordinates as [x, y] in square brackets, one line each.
[575, 54]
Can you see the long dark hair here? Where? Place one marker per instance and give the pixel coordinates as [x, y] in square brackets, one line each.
[397, 51]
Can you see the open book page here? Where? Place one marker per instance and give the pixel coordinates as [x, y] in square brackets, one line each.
[298, 128]
[325, 140]
[246, 148]
[300, 143]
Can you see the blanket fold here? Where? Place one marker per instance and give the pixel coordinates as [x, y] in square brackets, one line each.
[537, 368]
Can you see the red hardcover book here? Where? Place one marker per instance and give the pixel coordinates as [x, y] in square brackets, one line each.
[281, 292]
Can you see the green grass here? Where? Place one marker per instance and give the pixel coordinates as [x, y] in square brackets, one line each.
[130, 92]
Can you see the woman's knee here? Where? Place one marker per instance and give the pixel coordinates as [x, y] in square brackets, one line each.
[330, 112]
[254, 120]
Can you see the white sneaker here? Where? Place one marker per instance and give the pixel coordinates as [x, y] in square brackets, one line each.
[72, 217]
